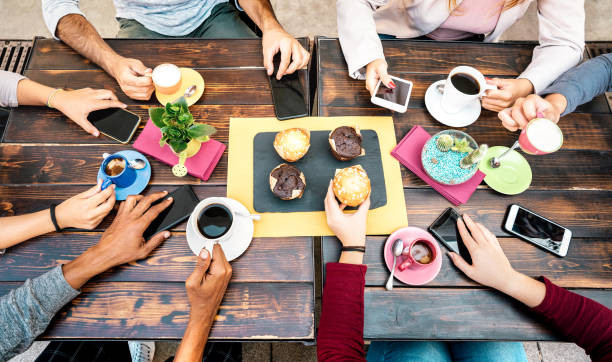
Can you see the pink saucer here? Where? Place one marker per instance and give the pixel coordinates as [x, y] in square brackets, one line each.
[414, 274]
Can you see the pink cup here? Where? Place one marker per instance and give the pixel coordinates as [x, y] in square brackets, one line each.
[536, 130]
[409, 258]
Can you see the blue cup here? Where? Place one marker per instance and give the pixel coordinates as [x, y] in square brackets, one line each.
[125, 179]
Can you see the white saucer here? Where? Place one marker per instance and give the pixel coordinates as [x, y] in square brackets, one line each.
[238, 242]
[463, 118]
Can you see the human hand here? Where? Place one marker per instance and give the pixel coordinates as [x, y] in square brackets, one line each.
[349, 228]
[489, 266]
[508, 91]
[77, 104]
[375, 70]
[123, 242]
[133, 77]
[207, 284]
[526, 109]
[277, 39]
[87, 209]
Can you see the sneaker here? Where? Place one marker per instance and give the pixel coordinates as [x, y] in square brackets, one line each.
[142, 351]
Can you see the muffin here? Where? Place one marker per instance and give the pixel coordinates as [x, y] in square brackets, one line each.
[292, 144]
[345, 143]
[287, 182]
[351, 185]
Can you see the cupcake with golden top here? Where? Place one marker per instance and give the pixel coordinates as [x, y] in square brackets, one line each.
[292, 144]
[351, 185]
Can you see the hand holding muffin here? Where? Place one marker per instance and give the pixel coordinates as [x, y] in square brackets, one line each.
[351, 185]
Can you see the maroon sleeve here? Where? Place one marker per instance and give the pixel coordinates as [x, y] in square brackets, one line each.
[341, 324]
[580, 319]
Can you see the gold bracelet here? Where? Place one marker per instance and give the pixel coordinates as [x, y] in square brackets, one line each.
[51, 96]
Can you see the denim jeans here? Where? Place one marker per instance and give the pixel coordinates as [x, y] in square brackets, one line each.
[446, 352]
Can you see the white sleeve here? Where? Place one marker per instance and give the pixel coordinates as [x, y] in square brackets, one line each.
[561, 36]
[54, 10]
[357, 32]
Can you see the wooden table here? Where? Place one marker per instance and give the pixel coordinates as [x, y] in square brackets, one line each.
[572, 187]
[44, 159]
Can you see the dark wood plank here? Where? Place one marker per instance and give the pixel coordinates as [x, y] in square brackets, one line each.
[456, 314]
[255, 311]
[193, 53]
[222, 86]
[435, 57]
[50, 163]
[337, 89]
[585, 212]
[266, 260]
[41, 125]
[587, 264]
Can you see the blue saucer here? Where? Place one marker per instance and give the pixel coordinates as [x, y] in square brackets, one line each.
[142, 176]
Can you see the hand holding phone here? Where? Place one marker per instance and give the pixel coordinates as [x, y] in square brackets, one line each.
[185, 200]
[396, 99]
[287, 94]
[446, 231]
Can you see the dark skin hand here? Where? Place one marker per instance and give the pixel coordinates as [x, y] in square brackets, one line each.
[122, 242]
[205, 289]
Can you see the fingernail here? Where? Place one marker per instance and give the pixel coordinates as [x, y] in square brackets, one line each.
[165, 192]
[96, 134]
[166, 234]
[170, 198]
[487, 78]
[204, 254]
[391, 85]
[113, 186]
[540, 115]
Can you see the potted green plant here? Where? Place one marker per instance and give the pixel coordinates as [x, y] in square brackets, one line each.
[179, 131]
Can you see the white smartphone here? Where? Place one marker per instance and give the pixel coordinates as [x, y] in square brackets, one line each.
[394, 99]
[538, 230]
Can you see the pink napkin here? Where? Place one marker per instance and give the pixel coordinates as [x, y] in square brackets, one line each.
[408, 152]
[201, 165]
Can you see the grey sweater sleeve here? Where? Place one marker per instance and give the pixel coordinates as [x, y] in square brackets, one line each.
[582, 83]
[8, 88]
[25, 312]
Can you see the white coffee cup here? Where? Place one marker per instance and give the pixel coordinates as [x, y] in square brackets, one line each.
[195, 216]
[453, 99]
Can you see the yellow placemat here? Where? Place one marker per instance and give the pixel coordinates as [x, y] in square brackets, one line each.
[381, 221]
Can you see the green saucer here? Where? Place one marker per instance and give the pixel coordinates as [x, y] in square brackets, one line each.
[512, 177]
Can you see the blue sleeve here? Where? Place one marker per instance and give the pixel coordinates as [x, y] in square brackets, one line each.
[584, 82]
[26, 311]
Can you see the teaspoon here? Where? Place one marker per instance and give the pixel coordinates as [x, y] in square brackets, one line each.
[398, 247]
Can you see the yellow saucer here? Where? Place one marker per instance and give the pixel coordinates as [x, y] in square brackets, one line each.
[189, 77]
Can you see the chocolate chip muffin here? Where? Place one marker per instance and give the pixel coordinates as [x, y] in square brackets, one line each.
[345, 143]
[287, 182]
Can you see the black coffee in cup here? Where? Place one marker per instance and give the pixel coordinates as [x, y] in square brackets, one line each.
[115, 167]
[465, 83]
[421, 252]
[214, 221]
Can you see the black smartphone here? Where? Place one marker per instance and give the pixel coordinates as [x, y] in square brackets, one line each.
[287, 94]
[445, 229]
[116, 123]
[537, 229]
[185, 200]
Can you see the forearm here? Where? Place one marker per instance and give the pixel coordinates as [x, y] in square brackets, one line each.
[262, 14]
[558, 101]
[87, 265]
[526, 290]
[17, 229]
[30, 93]
[26, 311]
[194, 340]
[80, 35]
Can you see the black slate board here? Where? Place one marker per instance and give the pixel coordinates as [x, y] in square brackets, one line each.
[318, 166]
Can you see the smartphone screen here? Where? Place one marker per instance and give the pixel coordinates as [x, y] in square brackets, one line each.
[185, 200]
[445, 229]
[287, 94]
[538, 230]
[399, 95]
[116, 123]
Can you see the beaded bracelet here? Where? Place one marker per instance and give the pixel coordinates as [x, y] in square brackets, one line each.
[51, 96]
